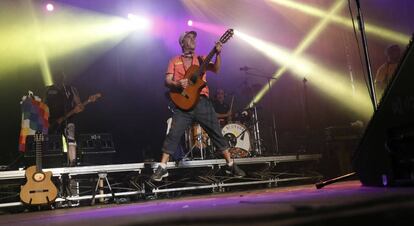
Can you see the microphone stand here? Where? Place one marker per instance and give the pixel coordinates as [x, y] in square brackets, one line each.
[306, 114]
[361, 26]
[371, 88]
[274, 132]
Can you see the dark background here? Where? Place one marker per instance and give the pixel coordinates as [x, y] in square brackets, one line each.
[131, 77]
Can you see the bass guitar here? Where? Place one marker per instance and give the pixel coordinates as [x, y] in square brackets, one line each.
[187, 98]
[90, 99]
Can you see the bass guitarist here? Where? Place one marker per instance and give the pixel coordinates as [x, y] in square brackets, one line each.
[202, 112]
[61, 99]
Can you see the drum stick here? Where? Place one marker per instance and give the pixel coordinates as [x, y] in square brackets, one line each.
[231, 104]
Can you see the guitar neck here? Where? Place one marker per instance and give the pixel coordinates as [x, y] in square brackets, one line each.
[86, 102]
[203, 66]
[38, 143]
[223, 39]
[72, 112]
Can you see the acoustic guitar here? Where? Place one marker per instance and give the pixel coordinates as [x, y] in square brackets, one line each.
[187, 98]
[39, 188]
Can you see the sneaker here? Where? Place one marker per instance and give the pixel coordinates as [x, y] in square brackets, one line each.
[234, 170]
[159, 174]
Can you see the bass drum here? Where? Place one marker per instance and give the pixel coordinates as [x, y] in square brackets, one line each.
[238, 137]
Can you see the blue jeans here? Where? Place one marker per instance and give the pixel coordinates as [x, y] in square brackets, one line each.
[202, 113]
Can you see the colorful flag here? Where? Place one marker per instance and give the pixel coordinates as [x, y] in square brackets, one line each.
[35, 117]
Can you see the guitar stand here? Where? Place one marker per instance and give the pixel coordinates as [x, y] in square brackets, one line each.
[100, 186]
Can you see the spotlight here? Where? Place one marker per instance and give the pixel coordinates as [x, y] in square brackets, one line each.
[376, 30]
[190, 23]
[139, 21]
[131, 16]
[50, 7]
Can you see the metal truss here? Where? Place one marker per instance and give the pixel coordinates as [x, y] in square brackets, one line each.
[112, 182]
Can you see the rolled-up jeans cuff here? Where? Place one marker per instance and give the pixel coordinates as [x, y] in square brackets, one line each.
[72, 143]
[167, 151]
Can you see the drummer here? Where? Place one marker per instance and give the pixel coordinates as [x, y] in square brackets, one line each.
[223, 109]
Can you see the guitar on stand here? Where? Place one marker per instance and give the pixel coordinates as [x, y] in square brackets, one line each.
[187, 98]
[39, 188]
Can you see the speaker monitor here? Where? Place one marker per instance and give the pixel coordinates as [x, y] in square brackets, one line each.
[52, 151]
[385, 155]
[96, 149]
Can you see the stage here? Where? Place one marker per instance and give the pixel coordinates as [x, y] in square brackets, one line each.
[159, 112]
[112, 183]
[343, 203]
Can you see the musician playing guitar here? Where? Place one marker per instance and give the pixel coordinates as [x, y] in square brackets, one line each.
[184, 73]
[62, 98]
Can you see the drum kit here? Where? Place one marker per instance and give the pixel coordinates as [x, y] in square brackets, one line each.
[242, 134]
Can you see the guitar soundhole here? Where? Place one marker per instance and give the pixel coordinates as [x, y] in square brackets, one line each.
[38, 177]
[184, 94]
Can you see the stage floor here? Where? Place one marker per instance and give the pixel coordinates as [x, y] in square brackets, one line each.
[343, 203]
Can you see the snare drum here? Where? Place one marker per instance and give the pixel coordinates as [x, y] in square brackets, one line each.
[238, 137]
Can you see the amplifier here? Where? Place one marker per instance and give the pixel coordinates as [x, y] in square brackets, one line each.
[52, 151]
[342, 133]
[95, 149]
[340, 143]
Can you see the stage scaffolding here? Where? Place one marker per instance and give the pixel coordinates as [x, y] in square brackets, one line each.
[112, 182]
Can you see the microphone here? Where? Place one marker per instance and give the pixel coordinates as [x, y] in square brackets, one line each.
[245, 68]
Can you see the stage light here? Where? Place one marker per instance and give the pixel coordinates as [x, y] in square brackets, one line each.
[303, 45]
[190, 23]
[50, 7]
[210, 28]
[370, 28]
[338, 86]
[139, 22]
[71, 36]
[327, 80]
[131, 16]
